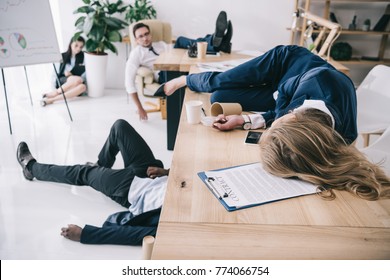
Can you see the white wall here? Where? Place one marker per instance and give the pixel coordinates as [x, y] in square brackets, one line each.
[257, 25]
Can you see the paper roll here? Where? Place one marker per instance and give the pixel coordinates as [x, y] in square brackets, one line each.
[225, 108]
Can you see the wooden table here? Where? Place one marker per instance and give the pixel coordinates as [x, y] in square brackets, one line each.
[194, 225]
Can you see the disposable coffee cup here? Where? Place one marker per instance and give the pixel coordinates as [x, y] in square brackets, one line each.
[202, 49]
[194, 109]
[225, 109]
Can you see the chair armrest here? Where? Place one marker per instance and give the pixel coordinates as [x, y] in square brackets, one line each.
[146, 74]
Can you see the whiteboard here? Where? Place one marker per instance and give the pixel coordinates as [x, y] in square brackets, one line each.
[27, 34]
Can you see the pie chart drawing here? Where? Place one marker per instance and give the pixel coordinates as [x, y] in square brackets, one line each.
[4, 53]
[18, 41]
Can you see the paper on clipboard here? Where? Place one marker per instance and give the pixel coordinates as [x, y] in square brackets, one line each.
[250, 185]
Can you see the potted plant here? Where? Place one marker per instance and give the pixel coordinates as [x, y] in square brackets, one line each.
[366, 25]
[101, 28]
[142, 9]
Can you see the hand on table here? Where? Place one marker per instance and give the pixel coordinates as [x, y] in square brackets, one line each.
[230, 122]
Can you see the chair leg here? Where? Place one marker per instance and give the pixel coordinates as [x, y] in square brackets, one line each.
[155, 107]
[366, 139]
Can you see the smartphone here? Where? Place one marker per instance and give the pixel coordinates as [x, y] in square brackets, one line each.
[212, 52]
[253, 137]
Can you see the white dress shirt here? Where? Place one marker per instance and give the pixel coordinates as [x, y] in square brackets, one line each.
[146, 194]
[69, 66]
[141, 56]
[258, 121]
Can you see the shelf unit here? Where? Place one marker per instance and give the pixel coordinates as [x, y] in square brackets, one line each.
[297, 35]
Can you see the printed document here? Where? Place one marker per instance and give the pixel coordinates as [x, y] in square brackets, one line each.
[250, 184]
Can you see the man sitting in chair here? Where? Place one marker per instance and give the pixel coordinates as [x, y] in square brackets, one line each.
[146, 52]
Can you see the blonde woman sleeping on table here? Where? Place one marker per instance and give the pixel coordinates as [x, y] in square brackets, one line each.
[310, 112]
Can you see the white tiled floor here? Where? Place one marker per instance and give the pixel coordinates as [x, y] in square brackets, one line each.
[32, 213]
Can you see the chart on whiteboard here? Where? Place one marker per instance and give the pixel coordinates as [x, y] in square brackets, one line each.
[27, 34]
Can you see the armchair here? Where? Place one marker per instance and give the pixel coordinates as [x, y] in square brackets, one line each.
[161, 31]
[373, 101]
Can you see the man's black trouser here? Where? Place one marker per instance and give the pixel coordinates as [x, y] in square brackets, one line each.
[136, 154]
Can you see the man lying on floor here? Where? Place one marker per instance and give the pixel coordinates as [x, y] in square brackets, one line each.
[140, 186]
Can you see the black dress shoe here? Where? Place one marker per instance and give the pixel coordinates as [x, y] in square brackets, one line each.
[24, 157]
[226, 46]
[220, 28]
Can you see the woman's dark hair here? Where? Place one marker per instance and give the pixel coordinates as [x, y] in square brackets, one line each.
[68, 53]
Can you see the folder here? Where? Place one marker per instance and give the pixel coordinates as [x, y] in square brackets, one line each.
[78, 70]
[249, 185]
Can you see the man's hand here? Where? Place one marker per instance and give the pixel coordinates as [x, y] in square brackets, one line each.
[68, 73]
[143, 116]
[72, 232]
[230, 122]
[154, 172]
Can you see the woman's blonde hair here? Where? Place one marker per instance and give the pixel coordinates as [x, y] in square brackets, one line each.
[313, 151]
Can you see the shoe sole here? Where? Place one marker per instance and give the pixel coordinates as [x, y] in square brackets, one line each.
[220, 27]
[160, 91]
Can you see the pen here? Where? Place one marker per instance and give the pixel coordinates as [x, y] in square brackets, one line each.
[204, 112]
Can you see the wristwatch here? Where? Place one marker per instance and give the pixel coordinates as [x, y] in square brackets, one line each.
[247, 123]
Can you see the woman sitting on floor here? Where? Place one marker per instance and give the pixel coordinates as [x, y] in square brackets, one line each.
[71, 74]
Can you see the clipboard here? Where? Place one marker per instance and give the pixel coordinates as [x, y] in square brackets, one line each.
[298, 188]
[220, 195]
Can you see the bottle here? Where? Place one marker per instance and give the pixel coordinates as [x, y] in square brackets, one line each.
[294, 24]
[309, 43]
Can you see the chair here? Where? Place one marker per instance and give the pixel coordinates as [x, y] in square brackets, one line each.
[379, 151]
[161, 31]
[373, 103]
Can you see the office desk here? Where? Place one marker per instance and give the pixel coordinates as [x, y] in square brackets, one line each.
[194, 224]
[174, 64]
